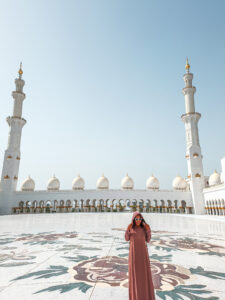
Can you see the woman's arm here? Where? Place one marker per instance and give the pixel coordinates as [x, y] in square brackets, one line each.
[147, 233]
[127, 233]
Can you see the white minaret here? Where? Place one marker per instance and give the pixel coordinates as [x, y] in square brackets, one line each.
[11, 163]
[193, 150]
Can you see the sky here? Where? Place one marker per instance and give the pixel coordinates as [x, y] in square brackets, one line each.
[103, 84]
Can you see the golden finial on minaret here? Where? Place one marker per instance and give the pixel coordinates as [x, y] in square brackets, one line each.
[187, 67]
[20, 72]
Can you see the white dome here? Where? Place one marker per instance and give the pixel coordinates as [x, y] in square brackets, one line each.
[78, 183]
[102, 182]
[221, 178]
[127, 182]
[214, 178]
[179, 183]
[28, 184]
[53, 184]
[152, 183]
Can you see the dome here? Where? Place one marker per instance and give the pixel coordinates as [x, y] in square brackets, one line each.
[78, 183]
[127, 182]
[152, 183]
[53, 184]
[179, 183]
[214, 179]
[221, 178]
[102, 183]
[28, 184]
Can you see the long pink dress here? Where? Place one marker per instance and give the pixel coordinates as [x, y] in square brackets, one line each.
[139, 270]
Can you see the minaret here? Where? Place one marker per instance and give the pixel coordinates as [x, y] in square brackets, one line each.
[11, 163]
[193, 149]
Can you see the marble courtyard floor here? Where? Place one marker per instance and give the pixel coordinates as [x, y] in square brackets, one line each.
[85, 256]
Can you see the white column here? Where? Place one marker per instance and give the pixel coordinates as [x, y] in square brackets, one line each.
[11, 162]
[193, 149]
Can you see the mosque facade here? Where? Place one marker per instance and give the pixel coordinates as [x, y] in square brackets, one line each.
[196, 194]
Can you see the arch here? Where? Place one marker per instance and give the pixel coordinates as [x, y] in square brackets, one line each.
[21, 206]
[48, 206]
[162, 206]
[183, 206]
[68, 202]
[169, 206]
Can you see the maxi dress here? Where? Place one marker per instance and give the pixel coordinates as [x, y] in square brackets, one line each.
[139, 271]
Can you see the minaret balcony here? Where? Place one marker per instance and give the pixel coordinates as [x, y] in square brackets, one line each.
[189, 90]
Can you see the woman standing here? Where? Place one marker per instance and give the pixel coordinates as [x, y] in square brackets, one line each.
[139, 270]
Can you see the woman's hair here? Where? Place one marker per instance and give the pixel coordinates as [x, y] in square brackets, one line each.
[142, 221]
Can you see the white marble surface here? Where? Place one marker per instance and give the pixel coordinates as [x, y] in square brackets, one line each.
[41, 253]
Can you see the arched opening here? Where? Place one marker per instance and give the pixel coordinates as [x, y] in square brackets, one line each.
[48, 206]
[183, 206]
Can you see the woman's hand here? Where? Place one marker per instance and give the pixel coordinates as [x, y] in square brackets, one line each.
[129, 226]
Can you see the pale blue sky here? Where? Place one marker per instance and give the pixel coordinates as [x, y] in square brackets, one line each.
[103, 84]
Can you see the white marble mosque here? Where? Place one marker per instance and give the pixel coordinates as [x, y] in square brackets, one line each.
[84, 255]
[196, 194]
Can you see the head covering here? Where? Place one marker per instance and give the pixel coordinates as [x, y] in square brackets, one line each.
[135, 214]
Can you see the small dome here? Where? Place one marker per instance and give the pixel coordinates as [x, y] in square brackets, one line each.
[78, 183]
[179, 183]
[53, 184]
[214, 178]
[28, 184]
[152, 183]
[127, 182]
[221, 178]
[102, 182]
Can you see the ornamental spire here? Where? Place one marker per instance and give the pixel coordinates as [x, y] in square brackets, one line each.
[20, 72]
[187, 67]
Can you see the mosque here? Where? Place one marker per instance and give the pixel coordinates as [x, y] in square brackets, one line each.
[196, 194]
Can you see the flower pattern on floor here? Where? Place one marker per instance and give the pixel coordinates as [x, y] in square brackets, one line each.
[109, 271]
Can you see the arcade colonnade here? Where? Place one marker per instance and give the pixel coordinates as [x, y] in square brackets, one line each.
[215, 207]
[101, 205]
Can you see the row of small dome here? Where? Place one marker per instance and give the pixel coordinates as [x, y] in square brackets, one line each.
[103, 183]
[216, 178]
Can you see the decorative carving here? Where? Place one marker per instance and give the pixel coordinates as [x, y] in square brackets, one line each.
[195, 154]
[6, 177]
[15, 177]
[197, 175]
[18, 158]
[9, 156]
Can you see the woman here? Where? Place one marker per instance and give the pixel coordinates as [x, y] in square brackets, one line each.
[139, 270]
